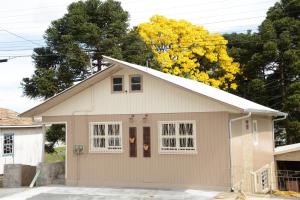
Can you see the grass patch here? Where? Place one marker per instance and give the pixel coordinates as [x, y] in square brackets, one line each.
[56, 156]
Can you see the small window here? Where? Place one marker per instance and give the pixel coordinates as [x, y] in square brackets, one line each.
[265, 179]
[106, 137]
[255, 132]
[117, 83]
[135, 83]
[8, 144]
[177, 137]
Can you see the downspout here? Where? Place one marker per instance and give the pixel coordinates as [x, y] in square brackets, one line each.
[273, 127]
[230, 136]
[273, 138]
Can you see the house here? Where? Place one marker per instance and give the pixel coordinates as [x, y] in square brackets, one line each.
[21, 140]
[132, 126]
[288, 167]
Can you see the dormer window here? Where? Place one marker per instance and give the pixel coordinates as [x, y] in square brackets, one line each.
[117, 84]
[135, 83]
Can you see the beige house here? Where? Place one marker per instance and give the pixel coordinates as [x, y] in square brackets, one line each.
[132, 126]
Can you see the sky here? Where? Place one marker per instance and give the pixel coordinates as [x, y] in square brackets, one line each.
[23, 23]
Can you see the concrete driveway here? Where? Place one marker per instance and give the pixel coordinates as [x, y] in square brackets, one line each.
[84, 193]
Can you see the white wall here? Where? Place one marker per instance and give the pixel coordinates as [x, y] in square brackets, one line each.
[28, 144]
[158, 96]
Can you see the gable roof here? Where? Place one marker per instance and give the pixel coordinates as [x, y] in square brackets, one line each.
[239, 103]
[9, 118]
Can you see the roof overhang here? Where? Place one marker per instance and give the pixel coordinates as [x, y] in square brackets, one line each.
[274, 113]
[287, 149]
[21, 126]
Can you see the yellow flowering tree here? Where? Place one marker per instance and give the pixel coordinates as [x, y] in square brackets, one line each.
[190, 51]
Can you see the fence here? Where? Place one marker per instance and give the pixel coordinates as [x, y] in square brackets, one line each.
[288, 180]
[267, 179]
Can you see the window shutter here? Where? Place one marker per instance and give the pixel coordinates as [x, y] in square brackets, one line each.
[132, 142]
[146, 142]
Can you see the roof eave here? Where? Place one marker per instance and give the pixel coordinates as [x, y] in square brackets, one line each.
[20, 126]
[274, 113]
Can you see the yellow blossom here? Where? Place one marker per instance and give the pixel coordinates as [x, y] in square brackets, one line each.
[187, 50]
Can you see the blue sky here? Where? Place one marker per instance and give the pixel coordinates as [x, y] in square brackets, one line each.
[30, 19]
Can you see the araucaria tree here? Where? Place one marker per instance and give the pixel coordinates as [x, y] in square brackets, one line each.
[74, 47]
[270, 61]
[190, 51]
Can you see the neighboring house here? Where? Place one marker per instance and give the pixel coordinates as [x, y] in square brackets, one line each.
[21, 141]
[288, 167]
[140, 127]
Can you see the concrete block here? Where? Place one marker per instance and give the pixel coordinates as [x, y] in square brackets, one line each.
[17, 175]
[51, 173]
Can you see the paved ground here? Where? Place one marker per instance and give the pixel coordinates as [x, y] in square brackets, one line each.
[10, 191]
[84, 193]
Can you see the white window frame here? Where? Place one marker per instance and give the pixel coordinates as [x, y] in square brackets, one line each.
[12, 144]
[131, 83]
[177, 136]
[255, 132]
[264, 178]
[106, 149]
[119, 84]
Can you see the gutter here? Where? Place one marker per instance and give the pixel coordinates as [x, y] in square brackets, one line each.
[230, 136]
[273, 129]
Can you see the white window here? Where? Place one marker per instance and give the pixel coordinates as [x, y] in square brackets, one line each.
[135, 83]
[177, 137]
[255, 132]
[117, 84]
[8, 144]
[106, 137]
[265, 179]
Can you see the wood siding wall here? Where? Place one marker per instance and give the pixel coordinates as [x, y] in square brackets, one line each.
[28, 145]
[158, 96]
[247, 156]
[209, 168]
[291, 156]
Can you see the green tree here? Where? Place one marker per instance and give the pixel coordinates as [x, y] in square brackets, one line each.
[75, 44]
[272, 70]
[74, 47]
[54, 134]
[135, 50]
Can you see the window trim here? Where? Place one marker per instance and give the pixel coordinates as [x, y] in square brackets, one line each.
[135, 75]
[188, 152]
[13, 144]
[91, 128]
[112, 83]
[255, 133]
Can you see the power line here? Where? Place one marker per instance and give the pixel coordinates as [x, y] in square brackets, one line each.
[203, 4]
[241, 19]
[17, 42]
[143, 11]
[2, 29]
[135, 19]
[138, 50]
